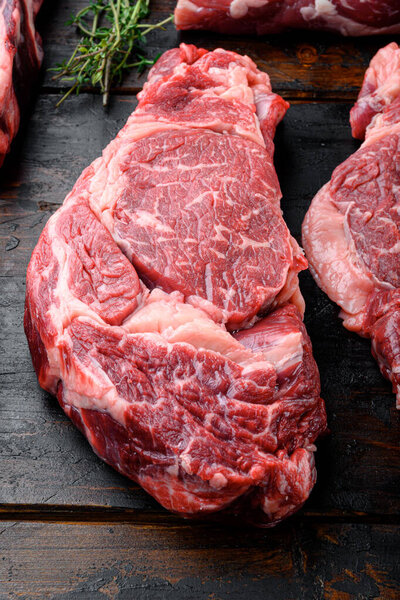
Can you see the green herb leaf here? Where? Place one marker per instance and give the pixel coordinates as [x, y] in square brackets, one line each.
[111, 34]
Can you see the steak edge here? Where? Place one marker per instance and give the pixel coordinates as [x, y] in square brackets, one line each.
[20, 59]
[351, 230]
[348, 17]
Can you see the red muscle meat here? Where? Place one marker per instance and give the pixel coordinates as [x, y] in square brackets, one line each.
[20, 59]
[351, 232]
[142, 283]
[348, 17]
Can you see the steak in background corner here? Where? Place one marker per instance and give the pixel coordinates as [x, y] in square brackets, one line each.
[20, 59]
[351, 232]
[169, 241]
[348, 17]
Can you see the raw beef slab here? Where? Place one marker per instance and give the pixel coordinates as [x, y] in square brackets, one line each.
[169, 242]
[348, 17]
[20, 59]
[351, 232]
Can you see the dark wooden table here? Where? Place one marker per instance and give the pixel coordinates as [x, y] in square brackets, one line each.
[72, 528]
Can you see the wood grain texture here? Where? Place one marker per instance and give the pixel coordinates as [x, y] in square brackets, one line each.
[121, 562]
[304, 65]
[44, 460]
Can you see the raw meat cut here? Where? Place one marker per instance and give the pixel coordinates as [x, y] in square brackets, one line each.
[348, 17]
[20, 59]
[169, 242]
[351, 232]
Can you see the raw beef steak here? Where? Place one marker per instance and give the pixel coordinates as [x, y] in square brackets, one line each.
[348, 17]
[168, 241]
[351, 232]
[20, 59]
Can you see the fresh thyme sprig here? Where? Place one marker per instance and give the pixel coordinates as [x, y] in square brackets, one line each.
[111, 32]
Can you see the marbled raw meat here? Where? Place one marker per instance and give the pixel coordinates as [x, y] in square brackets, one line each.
[168, 244]
[351, 232]
[348, 17]
[20, 59]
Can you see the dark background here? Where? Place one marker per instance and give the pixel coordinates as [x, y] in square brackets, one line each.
[71, 527]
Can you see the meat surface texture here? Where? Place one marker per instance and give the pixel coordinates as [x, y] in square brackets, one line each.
[351, 232]
[20, 59]
[348, 17]
[144, 285]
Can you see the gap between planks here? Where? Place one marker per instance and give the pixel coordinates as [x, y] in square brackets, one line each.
[300, 97]
[103, 515]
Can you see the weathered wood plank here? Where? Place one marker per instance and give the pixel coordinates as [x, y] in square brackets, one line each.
[118, 561]
[300, 64]
[43, 459]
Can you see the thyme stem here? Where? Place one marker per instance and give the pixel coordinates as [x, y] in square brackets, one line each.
[112, 36]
